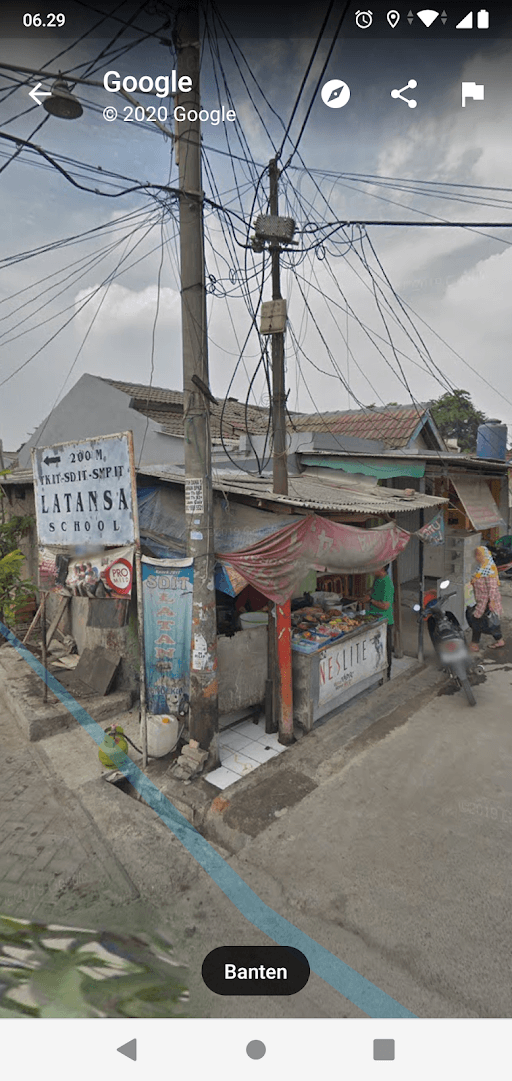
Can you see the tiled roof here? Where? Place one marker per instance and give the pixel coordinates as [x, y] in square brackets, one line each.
[148, 394]
[393, 425]
[166, 408]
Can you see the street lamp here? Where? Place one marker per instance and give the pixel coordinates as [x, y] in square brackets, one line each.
[62, 102]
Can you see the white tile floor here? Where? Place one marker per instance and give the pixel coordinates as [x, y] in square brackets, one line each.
[242, 748]
[245, 745]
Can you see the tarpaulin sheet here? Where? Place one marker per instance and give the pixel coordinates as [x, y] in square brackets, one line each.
[163, 526]
[433, 533]
[278, 564]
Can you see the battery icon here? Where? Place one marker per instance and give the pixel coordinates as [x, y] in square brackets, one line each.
[482, 20]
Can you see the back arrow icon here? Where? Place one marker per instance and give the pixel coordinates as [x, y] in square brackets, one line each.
[36, 94]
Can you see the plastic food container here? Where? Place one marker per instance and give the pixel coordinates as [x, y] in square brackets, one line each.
[319, 597]
[253, 619]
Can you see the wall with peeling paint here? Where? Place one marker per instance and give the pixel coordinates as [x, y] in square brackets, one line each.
[242, 666]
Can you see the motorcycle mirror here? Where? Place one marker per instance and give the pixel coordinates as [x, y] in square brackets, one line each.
[416, 608]
[445, 584]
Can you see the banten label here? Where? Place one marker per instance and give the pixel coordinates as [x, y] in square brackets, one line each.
[255, 970]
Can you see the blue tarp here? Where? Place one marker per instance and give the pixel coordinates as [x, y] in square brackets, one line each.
[162, 522]
[163, 528]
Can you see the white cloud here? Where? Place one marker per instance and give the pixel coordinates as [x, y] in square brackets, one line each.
[124, 309]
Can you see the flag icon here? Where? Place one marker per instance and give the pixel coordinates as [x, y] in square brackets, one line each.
[473, 91]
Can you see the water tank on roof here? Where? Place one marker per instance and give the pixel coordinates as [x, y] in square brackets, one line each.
[491, 441]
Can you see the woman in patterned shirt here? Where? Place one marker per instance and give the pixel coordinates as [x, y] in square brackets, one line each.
[484, 617]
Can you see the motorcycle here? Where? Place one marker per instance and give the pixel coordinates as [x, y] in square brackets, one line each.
[447, 637]
[502, 554]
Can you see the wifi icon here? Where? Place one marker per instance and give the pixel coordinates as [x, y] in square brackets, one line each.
[427, 16]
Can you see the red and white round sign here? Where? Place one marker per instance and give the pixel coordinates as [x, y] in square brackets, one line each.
[119, 575]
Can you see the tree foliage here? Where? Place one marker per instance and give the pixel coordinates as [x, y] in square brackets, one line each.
[457, 418]
[48, 971]
[14, 590]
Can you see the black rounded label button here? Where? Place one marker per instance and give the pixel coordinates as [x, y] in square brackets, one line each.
[255, 970]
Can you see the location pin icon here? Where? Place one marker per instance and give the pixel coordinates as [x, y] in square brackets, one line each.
[393, 18]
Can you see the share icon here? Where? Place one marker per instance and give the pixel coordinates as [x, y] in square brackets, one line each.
[399, 93]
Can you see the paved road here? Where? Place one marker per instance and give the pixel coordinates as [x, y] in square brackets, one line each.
[398, 862]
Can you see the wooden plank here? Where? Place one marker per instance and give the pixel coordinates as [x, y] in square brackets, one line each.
[97, 668]
[55, 622]
[33, 625]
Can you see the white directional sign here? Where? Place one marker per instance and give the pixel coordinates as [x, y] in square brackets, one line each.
[36, 94]
[83, 492]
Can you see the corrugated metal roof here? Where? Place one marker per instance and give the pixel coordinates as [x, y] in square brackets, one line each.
[18, 476]
[396, 455]
[313, 494]
[394, 425]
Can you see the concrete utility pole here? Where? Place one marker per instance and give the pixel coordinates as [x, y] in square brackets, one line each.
[279, 624]
[280, 471]
[203, 717]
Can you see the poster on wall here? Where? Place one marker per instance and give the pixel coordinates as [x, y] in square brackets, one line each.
[101, 574]
[167, 603]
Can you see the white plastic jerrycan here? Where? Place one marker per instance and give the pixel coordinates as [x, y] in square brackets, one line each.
[163, 730]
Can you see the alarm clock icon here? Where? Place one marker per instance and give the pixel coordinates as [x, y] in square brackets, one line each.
[364, 19]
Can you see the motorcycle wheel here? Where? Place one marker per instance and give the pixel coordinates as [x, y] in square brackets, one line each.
[469, 692]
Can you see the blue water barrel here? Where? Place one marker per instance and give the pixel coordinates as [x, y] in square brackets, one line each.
[491, 441]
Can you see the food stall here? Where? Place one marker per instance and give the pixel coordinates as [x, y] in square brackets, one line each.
[336, 654]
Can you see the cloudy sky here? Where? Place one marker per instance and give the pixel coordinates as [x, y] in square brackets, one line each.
[393, 312]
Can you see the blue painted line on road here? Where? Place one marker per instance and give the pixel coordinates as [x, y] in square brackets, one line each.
[354, 987]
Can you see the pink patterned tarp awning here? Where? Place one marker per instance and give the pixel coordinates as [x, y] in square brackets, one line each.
[278, 564]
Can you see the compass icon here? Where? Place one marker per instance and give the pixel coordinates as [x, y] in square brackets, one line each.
[335, 93]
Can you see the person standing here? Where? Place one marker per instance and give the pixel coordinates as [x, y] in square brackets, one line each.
[484, 617]
[380, 603]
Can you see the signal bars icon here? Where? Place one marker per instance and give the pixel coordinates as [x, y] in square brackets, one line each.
[482, 21]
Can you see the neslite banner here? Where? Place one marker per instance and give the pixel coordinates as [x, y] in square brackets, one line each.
[167, 601]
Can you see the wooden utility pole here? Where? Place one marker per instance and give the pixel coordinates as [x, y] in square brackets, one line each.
[280, 471]
[203, 717]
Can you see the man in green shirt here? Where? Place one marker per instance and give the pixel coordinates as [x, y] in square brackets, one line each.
[380, 603]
